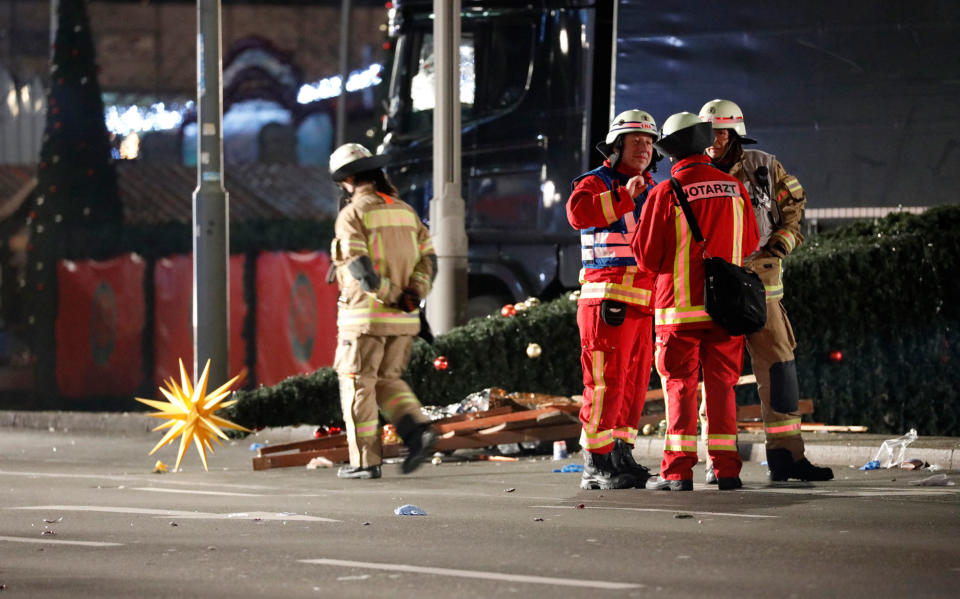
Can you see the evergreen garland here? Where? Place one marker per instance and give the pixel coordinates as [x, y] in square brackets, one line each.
[883, 293]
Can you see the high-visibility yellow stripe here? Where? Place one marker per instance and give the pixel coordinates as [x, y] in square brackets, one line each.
[793, 185]
[684, 443]
[784, 428]
[606, 205]
[357, 316]
[681, 260]
[616, 291]
[721, 442]
[368, 428]
[597, 440]
[681, 315]
[788, 238]
[737, 255]
[599, 389]
[389, 217]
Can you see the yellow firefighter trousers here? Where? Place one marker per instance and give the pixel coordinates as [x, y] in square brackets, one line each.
[771, 353]
[369, 368]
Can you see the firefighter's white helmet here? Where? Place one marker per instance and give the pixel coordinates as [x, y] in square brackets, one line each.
[352, 158]
[684, 134]
[725, 114]
[631, 121]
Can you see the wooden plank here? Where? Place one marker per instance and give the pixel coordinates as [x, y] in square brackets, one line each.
[535, 433]
[308, 445]
[302, 458]
[487, 422]
[657, 394]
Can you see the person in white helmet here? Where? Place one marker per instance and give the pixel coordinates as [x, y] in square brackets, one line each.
[614, 313]
[384, 263]
[778, 201]
[688, 340]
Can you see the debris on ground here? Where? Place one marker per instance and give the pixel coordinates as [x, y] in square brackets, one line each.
[409, 510]
[319, 462]
[935, 480]
[892, 451]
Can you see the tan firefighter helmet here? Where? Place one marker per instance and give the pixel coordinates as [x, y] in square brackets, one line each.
[631, 121]
[350, 159]
[726, 114]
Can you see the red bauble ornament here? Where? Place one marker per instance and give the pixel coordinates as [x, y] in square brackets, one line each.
[53, 189]
[440, 363]
[335, 430]
[836, 356]
[321, 432]
[508, 310]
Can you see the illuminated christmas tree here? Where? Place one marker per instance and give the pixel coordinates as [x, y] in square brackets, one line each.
[76, 199]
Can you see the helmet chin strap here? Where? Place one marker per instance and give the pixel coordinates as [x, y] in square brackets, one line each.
[616, 153]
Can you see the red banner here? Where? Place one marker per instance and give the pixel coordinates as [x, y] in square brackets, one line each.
[99, 326]
[173, 317]
[296, 314]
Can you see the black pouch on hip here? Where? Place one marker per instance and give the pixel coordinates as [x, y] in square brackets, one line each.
[613, 312]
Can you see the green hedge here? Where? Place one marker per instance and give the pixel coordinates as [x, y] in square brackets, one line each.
[883, 293]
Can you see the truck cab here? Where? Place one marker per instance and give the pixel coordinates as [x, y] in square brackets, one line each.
[527, 128]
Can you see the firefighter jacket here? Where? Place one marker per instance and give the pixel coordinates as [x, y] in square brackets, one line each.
[778, 201]
[664, 245]
[388, 233]
[601, 208]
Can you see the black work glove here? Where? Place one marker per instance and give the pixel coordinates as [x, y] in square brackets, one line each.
[409, 300]
[613, 312]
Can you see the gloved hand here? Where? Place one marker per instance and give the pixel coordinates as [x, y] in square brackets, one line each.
[409, 300]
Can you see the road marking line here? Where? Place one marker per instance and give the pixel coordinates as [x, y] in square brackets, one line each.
[651, 509]
[141, 479]
[193, 492]
[177, 513]
[59, 542]
[502, 576]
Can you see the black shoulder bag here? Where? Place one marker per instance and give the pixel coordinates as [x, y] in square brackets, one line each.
[733, 296]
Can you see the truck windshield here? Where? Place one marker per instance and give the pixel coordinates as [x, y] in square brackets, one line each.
[494, 74]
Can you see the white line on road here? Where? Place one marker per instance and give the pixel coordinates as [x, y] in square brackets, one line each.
[116, 477]
[177, 513]
[502, 576]
[651, 509]
[193, 492]
[59, 542]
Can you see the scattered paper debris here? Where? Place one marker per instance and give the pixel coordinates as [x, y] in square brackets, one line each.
[936, 480]
[409, 510]
[319, 462]
[159, 467]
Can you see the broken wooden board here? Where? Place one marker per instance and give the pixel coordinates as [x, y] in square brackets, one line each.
[463, 431]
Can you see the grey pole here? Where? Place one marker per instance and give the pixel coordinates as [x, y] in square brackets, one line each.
[446, 307]
[344, 71]
[210, 207]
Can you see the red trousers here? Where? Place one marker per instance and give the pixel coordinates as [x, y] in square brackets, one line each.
[680, 357]
[616, 362]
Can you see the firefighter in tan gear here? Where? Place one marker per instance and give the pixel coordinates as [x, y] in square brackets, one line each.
[384, 262]
[778, 202]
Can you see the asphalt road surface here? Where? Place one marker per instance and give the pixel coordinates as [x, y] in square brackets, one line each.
[83, 516]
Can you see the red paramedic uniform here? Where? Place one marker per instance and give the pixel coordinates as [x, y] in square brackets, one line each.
[616, 360]
[687, 338]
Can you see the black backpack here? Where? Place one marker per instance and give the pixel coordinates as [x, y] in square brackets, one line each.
[733, 296]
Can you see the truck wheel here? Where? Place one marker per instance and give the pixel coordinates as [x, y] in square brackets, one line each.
[484, 305]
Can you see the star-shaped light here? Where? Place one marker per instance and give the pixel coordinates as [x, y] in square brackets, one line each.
[191, 413]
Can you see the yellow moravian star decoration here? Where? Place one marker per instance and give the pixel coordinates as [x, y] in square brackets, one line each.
[190, 413]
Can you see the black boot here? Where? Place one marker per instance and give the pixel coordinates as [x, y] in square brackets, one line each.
[623, 462]
[729, 484]
[782, 467]
[419, 438]
[599, 473]
[358, 472]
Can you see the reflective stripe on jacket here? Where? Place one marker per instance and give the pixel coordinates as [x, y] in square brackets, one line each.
[389, 233]
[665, 246]
[606, 216]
